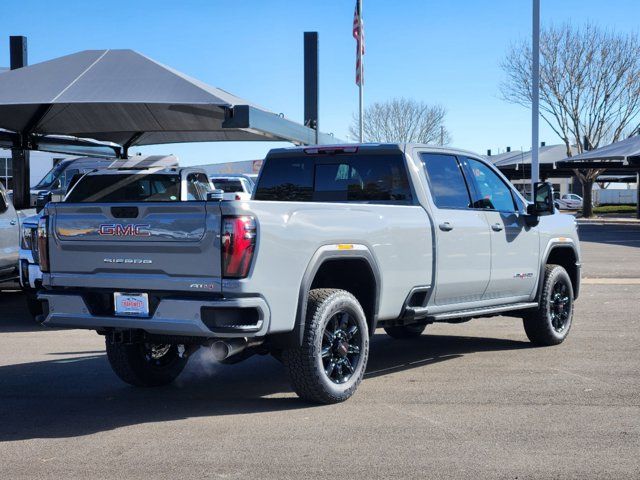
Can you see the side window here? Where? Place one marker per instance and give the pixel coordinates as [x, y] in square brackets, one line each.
[192, 188]
[67, 176]
[446, 181]
[490, 191]
[203, 184]
[3, 201]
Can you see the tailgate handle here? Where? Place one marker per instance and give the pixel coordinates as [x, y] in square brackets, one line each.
[124, 212]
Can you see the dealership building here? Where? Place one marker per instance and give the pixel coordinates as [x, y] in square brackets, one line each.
[40, 164]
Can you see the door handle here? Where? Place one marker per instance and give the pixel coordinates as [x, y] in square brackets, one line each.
[496, 227]
[13, 222]
[445, 227]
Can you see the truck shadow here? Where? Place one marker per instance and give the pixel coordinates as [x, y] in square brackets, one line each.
[14, 316]
[78, 395]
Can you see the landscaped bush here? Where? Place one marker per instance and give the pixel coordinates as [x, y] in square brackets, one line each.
[614, 209]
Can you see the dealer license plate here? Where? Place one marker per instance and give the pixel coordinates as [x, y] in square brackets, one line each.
[131, 304]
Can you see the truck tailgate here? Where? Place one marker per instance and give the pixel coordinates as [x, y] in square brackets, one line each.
[138, 246]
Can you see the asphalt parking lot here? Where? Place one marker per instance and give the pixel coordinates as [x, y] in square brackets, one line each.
[463, 401]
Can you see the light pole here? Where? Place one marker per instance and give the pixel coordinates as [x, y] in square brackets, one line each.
[535, 94]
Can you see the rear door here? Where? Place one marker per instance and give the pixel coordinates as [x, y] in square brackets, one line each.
[463, 260]
[514, 245]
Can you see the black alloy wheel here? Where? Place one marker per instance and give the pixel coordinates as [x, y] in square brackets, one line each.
[341, 345]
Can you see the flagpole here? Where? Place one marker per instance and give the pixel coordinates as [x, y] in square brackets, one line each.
[360, 86]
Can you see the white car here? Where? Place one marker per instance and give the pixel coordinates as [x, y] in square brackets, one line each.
[236, 187]
[568, 201]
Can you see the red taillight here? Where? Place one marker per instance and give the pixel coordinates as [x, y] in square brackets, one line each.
[238, 244]
[43, 244]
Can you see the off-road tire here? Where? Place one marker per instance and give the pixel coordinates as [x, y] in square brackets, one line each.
[304, 363]
[130, 364]
[403, 332]
[538, 322]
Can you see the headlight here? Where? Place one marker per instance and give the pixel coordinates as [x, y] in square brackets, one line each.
[25, 238]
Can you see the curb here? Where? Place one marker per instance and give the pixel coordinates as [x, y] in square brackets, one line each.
[601, 221]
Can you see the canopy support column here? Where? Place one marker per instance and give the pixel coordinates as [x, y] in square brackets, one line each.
[124, 153]
[638, 194]
[19, 154]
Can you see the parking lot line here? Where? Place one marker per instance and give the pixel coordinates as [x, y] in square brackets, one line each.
[611, 281]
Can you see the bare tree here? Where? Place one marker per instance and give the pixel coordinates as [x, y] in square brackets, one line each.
[403, 120]
[589, 88]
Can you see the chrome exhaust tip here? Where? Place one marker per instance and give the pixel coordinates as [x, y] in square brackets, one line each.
[224, 349]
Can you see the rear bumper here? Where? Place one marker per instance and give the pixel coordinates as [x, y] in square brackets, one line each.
[30, 273]
[171, 316]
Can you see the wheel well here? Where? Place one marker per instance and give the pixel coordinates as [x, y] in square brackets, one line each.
[566, 258]
[353, 275]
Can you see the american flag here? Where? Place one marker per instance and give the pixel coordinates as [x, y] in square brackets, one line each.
[358, 29]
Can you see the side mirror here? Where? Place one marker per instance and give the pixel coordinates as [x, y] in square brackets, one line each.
[542, 200]
[215, 196]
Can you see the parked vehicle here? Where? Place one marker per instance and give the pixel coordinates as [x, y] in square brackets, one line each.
[9, 237]
[55, 184]
[118, 183]
[235, 187]
[568, 201]
[336, 242]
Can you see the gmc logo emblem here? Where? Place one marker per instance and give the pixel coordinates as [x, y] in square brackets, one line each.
[118, 230]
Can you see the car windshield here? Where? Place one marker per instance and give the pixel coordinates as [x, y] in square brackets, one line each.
[126, 188]
[229, 185]
[51, 177]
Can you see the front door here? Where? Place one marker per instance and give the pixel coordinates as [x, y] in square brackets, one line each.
[515, 247]
[463, 260]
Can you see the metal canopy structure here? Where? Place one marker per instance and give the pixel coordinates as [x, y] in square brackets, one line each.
[618, 158]
[128, 99]
[624, 154]
[63, 144]
[518, 164]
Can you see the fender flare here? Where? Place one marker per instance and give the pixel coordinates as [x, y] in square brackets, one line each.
[551, 245]
[323, 254]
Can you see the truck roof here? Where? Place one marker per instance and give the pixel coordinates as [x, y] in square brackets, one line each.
[373, 147]
[146, 171]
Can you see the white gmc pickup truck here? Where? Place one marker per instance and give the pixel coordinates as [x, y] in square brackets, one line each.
[335, 242]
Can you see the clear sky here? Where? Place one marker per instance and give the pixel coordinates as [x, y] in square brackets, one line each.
[445, 52]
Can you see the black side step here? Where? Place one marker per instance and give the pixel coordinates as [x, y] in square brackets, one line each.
[473, 312]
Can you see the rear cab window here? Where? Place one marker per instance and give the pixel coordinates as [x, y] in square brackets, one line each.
[126, 187]
[361, 178]
[229, 185]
